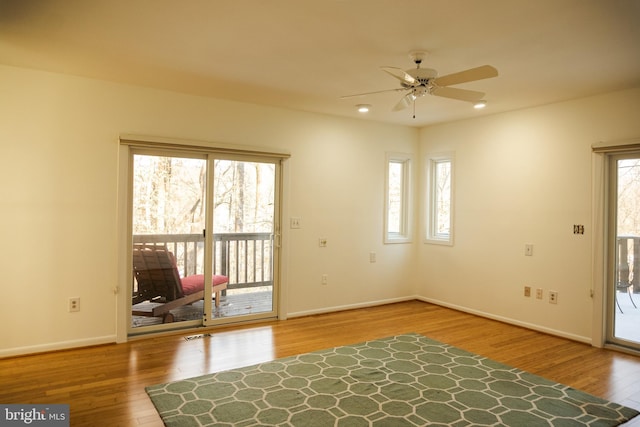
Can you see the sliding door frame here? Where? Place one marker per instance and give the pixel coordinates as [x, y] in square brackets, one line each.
[604, 189]
[612, 252]
[208, 150]
[276, 235]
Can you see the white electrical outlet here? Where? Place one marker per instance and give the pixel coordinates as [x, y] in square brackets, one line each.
[74, 304]
[539, 293]
[325, 279]
[372, 257]
[553, 297]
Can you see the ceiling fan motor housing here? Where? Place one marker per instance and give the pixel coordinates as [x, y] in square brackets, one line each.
[422, 77]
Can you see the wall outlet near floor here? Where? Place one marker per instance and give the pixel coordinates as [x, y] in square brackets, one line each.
[325, 279]
[539, 293]
[553, 297]
[74, 304]
[527, 291]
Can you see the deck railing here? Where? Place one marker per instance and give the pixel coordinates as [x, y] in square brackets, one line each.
[628, 271]
[246, 258]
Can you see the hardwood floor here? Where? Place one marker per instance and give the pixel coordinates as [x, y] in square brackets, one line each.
[104, 385]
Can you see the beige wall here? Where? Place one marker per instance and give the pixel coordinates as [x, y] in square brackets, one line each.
[59, 200]
[524, 177]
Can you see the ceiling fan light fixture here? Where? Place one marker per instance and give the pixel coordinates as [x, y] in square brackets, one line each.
[418, 82]
[480, 105]
[363, 108]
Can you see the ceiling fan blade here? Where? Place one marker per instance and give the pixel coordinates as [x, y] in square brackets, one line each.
[400, 74]
[404, 102]
[371, 93]
[459, 94]
[470, 75]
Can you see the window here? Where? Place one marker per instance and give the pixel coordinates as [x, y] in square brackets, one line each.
[397, 218]
[440, 199]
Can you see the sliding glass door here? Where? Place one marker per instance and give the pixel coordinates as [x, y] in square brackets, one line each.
[244, 232]
[624, 244]
[168, 219]
[203, 239]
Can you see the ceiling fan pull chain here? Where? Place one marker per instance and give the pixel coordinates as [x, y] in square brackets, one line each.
[414, 108]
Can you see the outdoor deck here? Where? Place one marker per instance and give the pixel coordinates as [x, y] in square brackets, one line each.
[234, 303]
[245, 258]
[627, 322]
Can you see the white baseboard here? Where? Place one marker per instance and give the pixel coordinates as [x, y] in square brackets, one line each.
[348, 307]
[573, 337]
[62, 345]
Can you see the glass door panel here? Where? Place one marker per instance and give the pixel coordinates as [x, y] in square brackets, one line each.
[168, 219]
[625, 289]
[244, 203]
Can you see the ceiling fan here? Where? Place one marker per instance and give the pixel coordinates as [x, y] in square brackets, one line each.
[418, 82]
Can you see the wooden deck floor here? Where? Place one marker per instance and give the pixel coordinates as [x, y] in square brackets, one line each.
[627, 317]
[235, 303]
[104, 385]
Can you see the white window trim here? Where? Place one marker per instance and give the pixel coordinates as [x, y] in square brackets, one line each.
[406, 233]
[431, 236]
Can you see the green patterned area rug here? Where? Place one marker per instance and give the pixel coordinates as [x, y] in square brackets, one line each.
[407, 380]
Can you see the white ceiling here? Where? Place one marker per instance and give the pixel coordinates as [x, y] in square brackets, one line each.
[304, 54]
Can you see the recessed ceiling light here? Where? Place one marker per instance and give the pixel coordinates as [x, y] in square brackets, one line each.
[363, 108]
[480, 105]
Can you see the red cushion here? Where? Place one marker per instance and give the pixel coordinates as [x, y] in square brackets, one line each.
[194, 283]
